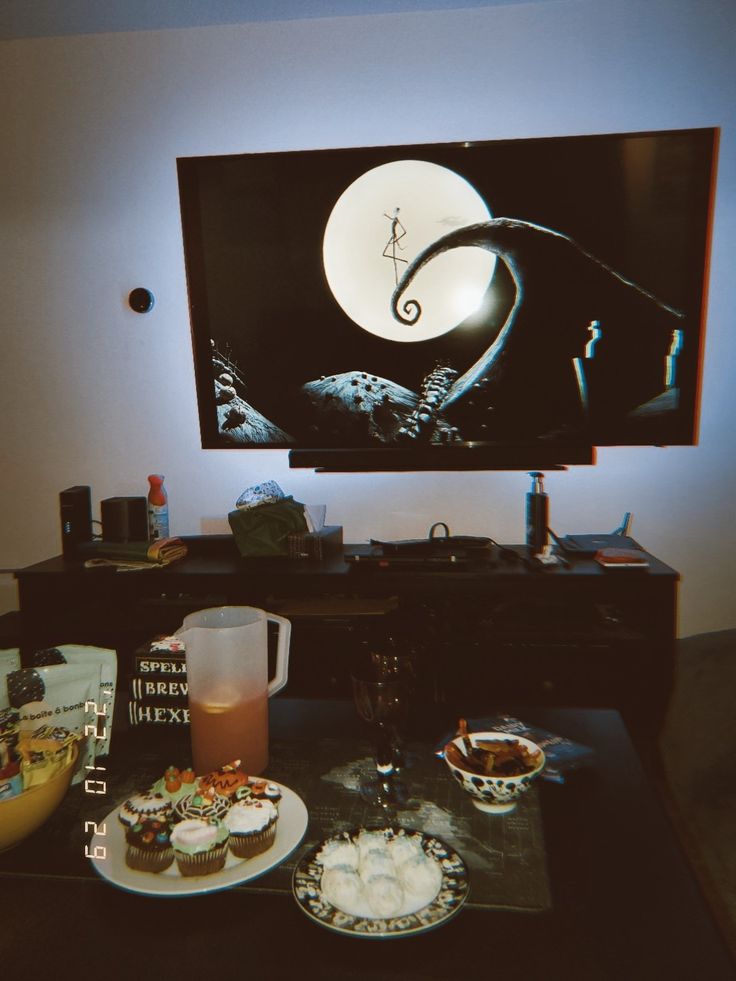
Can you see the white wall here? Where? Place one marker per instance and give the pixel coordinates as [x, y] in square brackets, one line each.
[92, 393]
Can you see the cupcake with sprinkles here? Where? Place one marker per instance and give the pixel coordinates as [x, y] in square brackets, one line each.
[252, 827]
[259, 790]
[205, 805]
[200, 847]
[144, 805]
[149, 845]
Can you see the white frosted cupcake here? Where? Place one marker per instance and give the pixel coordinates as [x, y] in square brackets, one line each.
[252, 827]
[200, 847]
[142, 806]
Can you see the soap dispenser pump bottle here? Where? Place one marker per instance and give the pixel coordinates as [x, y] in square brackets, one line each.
[537, 515]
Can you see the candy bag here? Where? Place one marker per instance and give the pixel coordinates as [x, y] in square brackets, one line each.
[63, 695]
[106, 662]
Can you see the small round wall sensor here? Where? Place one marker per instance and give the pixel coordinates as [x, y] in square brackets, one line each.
[141, 300]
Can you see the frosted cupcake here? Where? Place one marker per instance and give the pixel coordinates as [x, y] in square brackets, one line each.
[226, 781]
[175, 784]
[149, 848]
[260, 790]
[205, 805]
[144, 805]
[252, 827]
[200, 847]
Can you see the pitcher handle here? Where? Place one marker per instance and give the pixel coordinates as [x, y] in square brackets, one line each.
[282, 653]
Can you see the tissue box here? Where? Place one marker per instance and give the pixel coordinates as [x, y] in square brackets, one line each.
[315, 545]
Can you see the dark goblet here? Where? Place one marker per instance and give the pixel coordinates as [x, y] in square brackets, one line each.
[394, 666]
[382, 702]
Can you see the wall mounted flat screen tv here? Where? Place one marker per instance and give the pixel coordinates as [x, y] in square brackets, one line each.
[498, 304]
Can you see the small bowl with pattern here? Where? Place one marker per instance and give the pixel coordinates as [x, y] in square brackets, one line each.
[495, 768]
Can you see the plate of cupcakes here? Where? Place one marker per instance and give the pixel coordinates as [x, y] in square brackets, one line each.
[188, 835]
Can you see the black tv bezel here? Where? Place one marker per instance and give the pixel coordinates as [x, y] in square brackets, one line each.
[472, 455]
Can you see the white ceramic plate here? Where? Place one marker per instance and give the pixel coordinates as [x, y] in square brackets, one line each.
[290, 828]
[452, 894]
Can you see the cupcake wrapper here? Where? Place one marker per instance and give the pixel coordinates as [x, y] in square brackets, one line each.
[202, 863]
[248, 845]
[148, 860]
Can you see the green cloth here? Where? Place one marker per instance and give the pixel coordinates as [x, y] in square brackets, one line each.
[263, 530]
[160, 552]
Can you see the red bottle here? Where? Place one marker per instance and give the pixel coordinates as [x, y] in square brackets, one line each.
[158, 508]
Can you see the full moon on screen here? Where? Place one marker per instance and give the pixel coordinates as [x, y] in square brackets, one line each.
[382, 221]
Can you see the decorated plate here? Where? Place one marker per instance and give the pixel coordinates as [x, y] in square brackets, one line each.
[355, 918]
[107, 851]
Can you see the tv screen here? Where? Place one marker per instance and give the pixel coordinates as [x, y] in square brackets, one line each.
[431, 305]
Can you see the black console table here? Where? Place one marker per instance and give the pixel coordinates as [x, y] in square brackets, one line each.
[502, 630]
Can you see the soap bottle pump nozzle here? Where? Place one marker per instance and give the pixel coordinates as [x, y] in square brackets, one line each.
[537, 485]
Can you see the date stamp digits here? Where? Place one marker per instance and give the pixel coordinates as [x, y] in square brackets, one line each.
[99, 851]
[92, 785]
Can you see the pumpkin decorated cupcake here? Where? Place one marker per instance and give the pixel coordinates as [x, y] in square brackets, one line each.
[200, 847]
[252, 827]
[175, 784]
[226, 781]
[149, 846]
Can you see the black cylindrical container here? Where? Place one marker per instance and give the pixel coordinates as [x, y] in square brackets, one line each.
[537, 515]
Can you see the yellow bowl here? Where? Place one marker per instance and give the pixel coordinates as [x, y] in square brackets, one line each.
[22, 815]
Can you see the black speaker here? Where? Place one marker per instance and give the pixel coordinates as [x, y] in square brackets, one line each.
[75, 505]
[124, 519]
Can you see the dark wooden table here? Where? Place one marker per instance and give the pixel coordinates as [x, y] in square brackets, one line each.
[624, 902]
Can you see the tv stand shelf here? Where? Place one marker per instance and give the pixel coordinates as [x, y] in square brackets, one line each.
[492, 635]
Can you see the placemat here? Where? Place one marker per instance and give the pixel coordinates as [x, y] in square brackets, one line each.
[504, 853]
